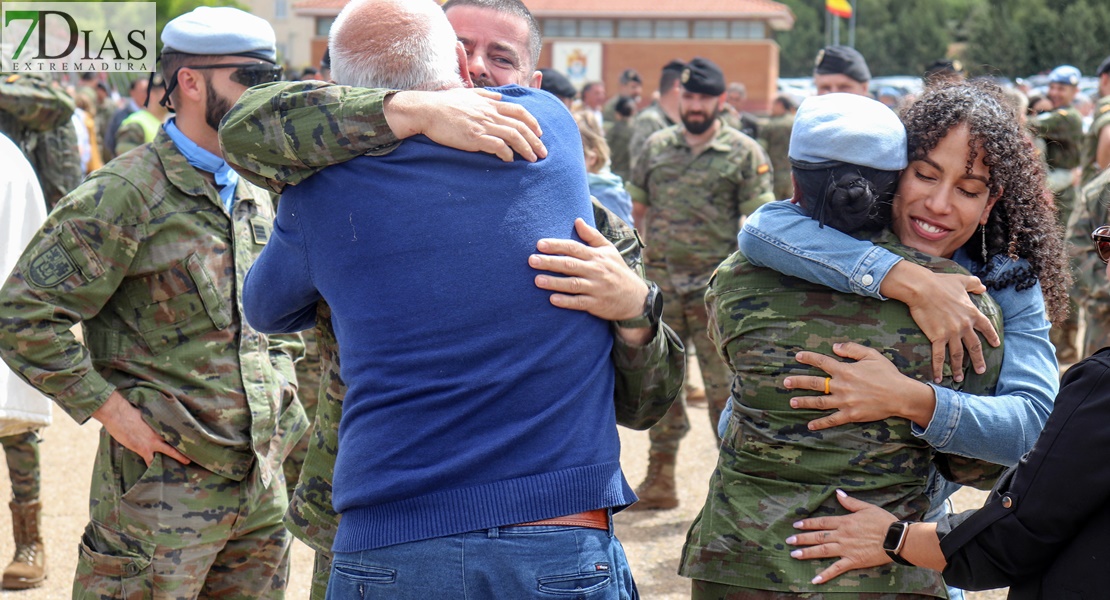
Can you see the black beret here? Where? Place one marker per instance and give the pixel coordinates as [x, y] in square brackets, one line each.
[630, 75]
[701, 76]
[1104, 67]
[842, 60]
[944, 66]
[675, 65]
[557, 84]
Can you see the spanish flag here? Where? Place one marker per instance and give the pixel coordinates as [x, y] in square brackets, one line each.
[840, 8]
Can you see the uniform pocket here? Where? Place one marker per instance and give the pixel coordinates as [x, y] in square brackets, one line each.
[168, 308]
[113, 565]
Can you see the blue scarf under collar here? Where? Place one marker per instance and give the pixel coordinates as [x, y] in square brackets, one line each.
[226, 177]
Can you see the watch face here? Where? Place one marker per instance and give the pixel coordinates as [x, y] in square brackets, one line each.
[894, 535]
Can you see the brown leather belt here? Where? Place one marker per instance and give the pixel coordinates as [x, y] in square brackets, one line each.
[594, 519]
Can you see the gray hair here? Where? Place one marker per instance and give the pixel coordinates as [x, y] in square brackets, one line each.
[395, 44]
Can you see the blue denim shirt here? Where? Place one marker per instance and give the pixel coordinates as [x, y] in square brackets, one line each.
[999, 429]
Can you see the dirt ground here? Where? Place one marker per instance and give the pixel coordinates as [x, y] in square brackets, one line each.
[652, 540]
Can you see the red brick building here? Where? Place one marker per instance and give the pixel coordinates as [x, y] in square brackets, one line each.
[600, 39]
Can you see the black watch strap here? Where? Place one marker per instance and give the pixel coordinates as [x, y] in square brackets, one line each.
[652, 313]
[895, 540]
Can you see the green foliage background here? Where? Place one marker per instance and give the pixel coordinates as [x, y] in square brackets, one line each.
[1014, 38]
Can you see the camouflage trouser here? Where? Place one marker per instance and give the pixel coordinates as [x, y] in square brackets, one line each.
[1097, 334]
[706, 590]
[321, 571]
[180, 531]
[22, 454]
[685, 313]
[308, 390]
[1064, 336]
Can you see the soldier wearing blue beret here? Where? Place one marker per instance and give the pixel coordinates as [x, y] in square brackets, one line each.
[198, 409]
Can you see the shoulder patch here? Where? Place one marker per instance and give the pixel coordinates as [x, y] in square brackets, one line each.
[1062, 112]
[12, 79]
[761, 169]
[51, 267]
[1103, 109]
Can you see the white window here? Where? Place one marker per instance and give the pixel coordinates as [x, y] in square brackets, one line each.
[323, 25]
[634, 28]
[668, 29]
[747, 30]
[560, 28]
[595, 28]
[711, 30]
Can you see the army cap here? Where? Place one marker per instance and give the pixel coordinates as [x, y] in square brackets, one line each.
[1065, 74]
[701, 76]
[842, 60]
[557, 84]
[220, 30]
[1104, 67]
[847, 128]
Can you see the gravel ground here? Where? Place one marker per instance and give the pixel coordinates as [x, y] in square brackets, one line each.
[652, 540]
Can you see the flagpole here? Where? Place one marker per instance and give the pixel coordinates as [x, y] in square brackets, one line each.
[852, 24]
[836, 30]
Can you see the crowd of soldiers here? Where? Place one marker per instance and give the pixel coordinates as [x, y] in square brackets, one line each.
[688, 166]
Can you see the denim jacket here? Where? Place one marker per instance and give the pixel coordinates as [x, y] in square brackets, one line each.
[999, 429]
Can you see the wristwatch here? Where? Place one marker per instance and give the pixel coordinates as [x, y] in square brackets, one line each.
[894, 541]
[653, 310]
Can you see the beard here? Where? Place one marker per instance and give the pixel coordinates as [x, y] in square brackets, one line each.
[215, 107]
[702, 124]
[483, 82]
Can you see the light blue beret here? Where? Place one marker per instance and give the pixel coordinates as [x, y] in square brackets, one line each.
[1065, 74]
[220, 31]
[848, 128]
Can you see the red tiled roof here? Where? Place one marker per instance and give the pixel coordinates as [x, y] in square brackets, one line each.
[776, 13]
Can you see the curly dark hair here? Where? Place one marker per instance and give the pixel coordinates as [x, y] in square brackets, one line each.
[1023, 222]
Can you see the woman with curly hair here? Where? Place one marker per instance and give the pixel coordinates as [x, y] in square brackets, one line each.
[974, 192]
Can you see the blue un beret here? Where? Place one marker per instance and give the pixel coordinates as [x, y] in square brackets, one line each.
[221, 31]
[1065, 74]
[847, 128]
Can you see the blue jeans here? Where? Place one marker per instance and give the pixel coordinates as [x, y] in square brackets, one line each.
[572, 563]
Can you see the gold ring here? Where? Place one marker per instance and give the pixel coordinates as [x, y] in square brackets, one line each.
[827, 381]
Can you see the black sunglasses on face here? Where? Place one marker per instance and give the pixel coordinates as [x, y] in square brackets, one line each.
[248, 74]
[1101, 238]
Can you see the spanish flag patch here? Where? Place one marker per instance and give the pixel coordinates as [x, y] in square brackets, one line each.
[11, 79]
[761, 169]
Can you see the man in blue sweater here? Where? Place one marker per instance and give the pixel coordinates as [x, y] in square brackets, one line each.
[478, 453]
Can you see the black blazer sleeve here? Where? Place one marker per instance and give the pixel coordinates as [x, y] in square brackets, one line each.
[1040, 506]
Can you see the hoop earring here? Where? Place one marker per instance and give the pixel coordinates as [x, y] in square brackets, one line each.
[983, 237]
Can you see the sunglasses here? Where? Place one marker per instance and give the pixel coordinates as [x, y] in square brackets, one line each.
[1101, 238]
[248, 74]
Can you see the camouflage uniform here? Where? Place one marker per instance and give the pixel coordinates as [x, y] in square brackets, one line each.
[1090, 140]
[274, 137]
[21, 451]
[308, 390]
[695, 205]
[744, 122]
[773, 471]
[1091, 290]
[775, 137]
[36, 116]
[1062, 131]
[643, 125]
[618, 135]
[145, 255]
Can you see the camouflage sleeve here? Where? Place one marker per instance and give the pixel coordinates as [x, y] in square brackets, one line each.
[637, 184]
[1090, 212]
[281, 133]
[129, 137]
[757, 186]
[642, 128]
[648, 378]
[66, 274]
[34, 103]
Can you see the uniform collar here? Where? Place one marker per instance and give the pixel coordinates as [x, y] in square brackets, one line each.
[184, 176]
